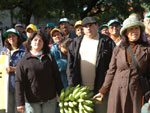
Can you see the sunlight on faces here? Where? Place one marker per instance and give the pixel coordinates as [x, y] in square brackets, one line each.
[114, 28]
[79, 30]
[29, 32]
[133, 33]
[57, 37]
[90, 30]
[12, 39]
[37, 44]
[105, 31]
[147, 22]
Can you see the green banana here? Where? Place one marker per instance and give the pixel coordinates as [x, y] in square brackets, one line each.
[61, 104]
[70, 104]
[88, 108]
[83, 95]
[66, 104]
[62, 110]
[62, 95]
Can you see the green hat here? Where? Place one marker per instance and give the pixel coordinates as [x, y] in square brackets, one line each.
[103, 26]
[12, 30]
[129, 22]
[113, 21]
[64, 20]
[50, 25]
[147, 15]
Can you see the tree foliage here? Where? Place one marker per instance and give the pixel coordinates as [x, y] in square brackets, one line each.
[103, 10]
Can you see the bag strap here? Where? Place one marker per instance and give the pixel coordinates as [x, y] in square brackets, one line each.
[134, 61]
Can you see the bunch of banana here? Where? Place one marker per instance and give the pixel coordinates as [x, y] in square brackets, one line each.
[76, 99]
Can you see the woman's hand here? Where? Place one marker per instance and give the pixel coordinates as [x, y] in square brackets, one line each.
[3, 53]
[149, 101]
[10, 69]
[21, 109]
[99, 98]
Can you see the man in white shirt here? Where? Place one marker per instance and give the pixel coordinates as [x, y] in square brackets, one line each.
[88, 59]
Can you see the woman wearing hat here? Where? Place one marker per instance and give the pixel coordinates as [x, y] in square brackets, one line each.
[15, 50]
[122, 79]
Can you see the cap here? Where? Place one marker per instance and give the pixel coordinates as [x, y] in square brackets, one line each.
[88, 20]
[113, 21]
[32, 26]
[79, 22]
[63, 20]
[53, 30]
[18, 25]
[50, 24]
[147, 15]
[12, 30]
[102, 26]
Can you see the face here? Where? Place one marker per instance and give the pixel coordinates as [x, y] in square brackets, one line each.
[29, 32]
[57, 37]
[48, 29]
[133, 33]
[12, 39]
[105, 31]
[90, 30]
[114, 29]
[79, 30]
[64, 27]
[37, 44]
[19, 28]
[147, 23]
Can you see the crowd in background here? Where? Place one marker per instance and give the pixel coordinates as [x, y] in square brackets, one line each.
[43, 61]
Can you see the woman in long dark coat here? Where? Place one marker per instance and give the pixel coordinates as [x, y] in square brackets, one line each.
[122, 79]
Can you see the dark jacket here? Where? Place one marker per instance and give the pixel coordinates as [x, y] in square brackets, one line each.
[38, 79]
[104, 53]
[14, 58]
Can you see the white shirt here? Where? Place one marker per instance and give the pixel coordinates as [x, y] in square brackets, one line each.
[88, 53]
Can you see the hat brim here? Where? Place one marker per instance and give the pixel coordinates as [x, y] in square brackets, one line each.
[54, 30]
[6, 34]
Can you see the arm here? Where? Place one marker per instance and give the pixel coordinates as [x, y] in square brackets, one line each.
[70, 62]
[59, 85]
[109, 76]
[19, 84]
[62, 63]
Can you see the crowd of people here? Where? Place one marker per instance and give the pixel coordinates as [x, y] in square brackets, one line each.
[43, 61]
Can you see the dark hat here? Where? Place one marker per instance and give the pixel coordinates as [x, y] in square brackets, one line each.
[88, 20]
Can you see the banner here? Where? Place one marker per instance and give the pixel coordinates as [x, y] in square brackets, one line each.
[4, 82]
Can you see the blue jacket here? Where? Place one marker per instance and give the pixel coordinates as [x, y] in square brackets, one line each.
[62, 63]
[15, 57]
